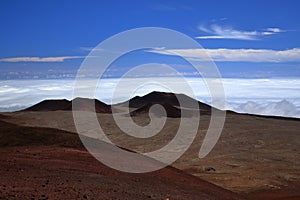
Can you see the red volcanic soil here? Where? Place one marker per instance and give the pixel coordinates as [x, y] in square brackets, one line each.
[51, 164]
[51, 172]
[82, 104]
[289, 192]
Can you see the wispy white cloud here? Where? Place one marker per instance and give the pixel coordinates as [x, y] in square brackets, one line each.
[39, 59]
[89, 49]
[93, 49]
[235, 55]
[216, 31]
[275, 30]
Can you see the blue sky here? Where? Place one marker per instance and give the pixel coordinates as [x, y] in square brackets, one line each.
[246, 38]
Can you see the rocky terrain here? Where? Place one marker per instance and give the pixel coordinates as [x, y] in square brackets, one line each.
[256, 156]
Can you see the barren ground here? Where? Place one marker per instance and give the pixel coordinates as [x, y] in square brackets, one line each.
[253, 153]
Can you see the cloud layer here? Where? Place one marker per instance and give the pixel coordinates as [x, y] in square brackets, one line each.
[39, 59]
[279, 97]
[235, 55]
[279, 108]
[216, 31]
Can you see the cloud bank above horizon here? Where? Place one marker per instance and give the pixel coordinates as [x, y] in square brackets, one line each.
[278, 97]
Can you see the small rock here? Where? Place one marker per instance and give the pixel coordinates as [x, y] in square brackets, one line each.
[209, 169]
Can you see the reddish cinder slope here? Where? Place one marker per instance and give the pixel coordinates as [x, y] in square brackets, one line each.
[43, 163]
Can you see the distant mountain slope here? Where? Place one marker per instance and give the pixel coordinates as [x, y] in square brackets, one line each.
[168, 100]
[51, 105]
[165, 98]
[171, 111]
[83, 104]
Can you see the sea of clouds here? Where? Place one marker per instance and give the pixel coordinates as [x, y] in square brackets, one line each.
[278, 97]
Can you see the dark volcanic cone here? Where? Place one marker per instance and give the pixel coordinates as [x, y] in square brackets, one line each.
[170, 110]
[165, 98]
[82, 104]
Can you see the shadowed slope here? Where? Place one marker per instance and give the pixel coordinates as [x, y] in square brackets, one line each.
[171, 111]
[165, 98]
[82, 104]
[14, 135]
[38, 157]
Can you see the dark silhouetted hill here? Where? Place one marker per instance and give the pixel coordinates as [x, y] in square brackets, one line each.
[82, 104]
[165, 98]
